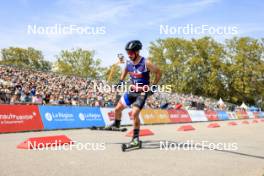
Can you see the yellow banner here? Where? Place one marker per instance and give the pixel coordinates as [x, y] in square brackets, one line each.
[152, 116]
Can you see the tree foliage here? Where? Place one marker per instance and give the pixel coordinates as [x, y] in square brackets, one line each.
[24, 58]
[78, 62]
[233, 70]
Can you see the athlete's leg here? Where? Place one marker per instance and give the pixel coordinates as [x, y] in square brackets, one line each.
[137, 106]
[125, 101]
[118, 113]
[135, 116]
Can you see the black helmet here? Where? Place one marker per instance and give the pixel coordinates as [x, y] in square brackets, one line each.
[134, 45]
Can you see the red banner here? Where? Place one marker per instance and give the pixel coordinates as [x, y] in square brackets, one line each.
[256, 115]
[14, 118]
[111, 115]
[211, 115]
[179, 116]
[242, 115]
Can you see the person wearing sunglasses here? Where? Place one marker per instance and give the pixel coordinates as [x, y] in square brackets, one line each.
[139, 69]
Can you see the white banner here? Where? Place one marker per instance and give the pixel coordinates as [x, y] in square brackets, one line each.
[197, 116]
[109, 116]
[250, 115]
[232, 115]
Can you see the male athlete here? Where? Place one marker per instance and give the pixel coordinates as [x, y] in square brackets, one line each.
[139, 69]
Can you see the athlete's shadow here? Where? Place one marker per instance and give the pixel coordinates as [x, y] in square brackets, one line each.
[158, 144]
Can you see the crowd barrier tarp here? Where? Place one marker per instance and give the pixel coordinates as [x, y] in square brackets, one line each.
[109, 116]
[179, 116]
[15, 118]
[154, 116]
[62, 117]
[242, 115]
[197, 116]
[211, 115]
[222, 115]
[232, 115]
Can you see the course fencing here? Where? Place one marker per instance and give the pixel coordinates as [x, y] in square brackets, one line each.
[17, 118]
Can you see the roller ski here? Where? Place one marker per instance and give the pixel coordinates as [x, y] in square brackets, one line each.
[114, 127]
[109, 128]
[134, 144]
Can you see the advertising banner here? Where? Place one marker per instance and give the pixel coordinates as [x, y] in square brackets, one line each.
[211, 115]
[14, 118]
[197, 116]
[232, 115]
[242, 115]
[153, 116]
[109, 116]
[60, 117]
[179, 116]
[222, 115]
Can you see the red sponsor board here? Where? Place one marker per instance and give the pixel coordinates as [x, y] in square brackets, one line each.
[179, 116]
[256, 115]
[14, 118]
[242, 115]
[111, 115]
[211, 115]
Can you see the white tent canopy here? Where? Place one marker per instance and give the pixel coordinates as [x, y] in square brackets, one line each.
[243, 105]
[220, 102]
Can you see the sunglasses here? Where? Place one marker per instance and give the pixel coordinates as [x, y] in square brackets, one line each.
[130, 52]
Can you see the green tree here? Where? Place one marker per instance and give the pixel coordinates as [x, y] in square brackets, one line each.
[190, 66]
[245, 69]
[207, 67]
[233, 70]
[25, 58]
[78, 62]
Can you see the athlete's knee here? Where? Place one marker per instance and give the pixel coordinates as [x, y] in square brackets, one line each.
[135, 115]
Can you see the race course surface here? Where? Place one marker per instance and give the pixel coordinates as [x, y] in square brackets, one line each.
[247, 160]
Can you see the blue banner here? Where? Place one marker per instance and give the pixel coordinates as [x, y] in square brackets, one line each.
[61, 117]
[261, 114]
[222, 115]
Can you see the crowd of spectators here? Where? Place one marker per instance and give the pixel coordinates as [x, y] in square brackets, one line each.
[24, 86]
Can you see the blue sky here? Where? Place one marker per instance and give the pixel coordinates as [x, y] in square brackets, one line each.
[123, 20]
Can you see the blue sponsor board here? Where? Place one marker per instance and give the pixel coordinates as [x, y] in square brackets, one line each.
[261, 114]
[222, 115]
[60, 117]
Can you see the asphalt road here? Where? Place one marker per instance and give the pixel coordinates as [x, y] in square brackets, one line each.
[99, 152]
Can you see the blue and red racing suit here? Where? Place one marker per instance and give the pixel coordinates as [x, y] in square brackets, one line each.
[139, 78]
